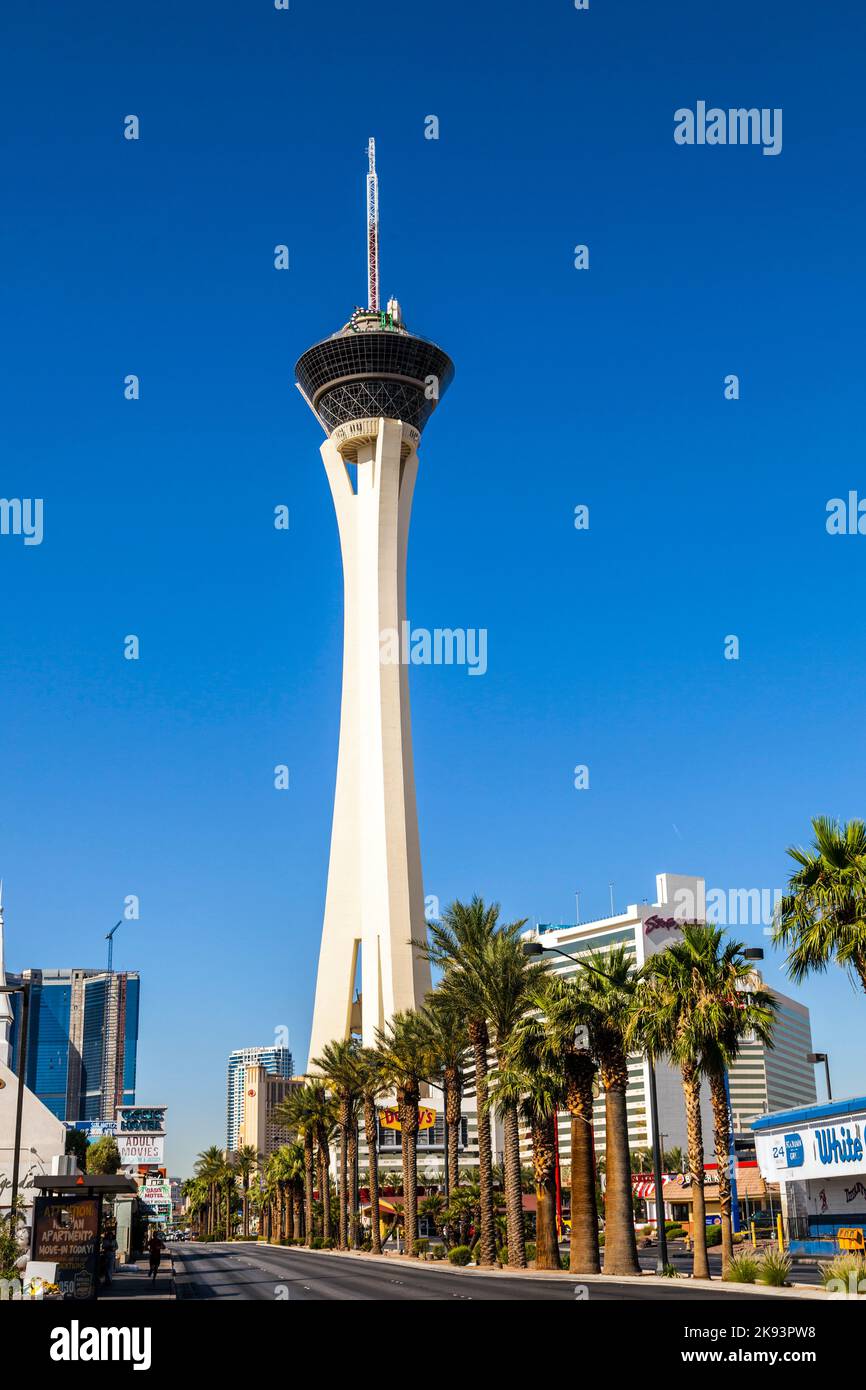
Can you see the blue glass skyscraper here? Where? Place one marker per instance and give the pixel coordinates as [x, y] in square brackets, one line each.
[83, 1043]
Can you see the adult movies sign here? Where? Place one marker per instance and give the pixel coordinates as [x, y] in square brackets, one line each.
[141, 1148]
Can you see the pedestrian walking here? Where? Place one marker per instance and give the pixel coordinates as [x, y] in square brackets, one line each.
[155, 1247]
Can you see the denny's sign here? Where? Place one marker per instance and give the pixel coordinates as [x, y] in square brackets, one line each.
[389, 1118]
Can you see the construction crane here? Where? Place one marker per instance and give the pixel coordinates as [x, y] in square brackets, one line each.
[372, 229]
[110, 939]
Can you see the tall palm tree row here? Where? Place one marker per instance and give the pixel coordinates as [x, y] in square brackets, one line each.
[532, 1044]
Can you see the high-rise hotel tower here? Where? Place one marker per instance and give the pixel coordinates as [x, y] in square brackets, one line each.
[373, 386]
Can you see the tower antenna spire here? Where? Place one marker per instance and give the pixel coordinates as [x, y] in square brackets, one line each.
[372, 228]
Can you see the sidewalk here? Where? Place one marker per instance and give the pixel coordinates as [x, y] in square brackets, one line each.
[132, 1281]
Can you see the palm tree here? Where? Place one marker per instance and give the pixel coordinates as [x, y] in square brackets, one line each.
[530, 1082]
[299, 1113]
[458, 945]
[338, 1065]
[732, 1005]
[406, 1060]
[226, 1179]
[611, 983]
[448, 1038]
[372, 1084]
[208, 1167]
[195, 1192]
[295, 1169]
[668, 1021]
[569, 1021]
[247, 1159]
[325, 1114]
[509, 983]
[822, 917]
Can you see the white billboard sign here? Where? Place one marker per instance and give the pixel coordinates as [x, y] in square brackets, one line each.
[141, 1148]
[835, 1149]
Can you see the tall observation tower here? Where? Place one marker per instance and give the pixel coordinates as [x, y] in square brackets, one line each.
[372, 386]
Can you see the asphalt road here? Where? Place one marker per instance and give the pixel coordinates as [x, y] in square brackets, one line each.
[250, 1271]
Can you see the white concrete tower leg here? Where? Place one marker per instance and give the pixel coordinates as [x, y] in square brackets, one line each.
[375, 894]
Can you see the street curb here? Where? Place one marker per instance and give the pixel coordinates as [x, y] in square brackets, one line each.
[797, 1291]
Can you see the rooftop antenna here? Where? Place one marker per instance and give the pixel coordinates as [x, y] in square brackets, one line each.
[372, 228]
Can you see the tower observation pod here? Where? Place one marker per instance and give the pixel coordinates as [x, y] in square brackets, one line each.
[373, 386]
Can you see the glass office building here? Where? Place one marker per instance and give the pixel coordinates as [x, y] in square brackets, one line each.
[83, 1040]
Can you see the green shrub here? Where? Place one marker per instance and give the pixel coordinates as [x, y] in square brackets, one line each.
[670, 1272]
[563, 1261]
[774, 1268]
[502, 1254]
[460, 1255]
[743, 1269]
[9, 1251]
[421, 1247]
[317, 1243]
[714, 1236]
[849, 1268]
[530, 1250]
[674, 1230]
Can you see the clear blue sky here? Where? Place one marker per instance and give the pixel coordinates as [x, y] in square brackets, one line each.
[605, 388]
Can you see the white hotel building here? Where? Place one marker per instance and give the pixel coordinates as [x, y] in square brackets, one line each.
[761, 1079]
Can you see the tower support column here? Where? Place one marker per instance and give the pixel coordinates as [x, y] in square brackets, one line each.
[375, 896]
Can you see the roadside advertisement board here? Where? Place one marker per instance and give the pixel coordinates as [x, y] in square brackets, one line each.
[66, 1234]
[141, 1119]
[390, 1119]
[814, 1151]
[141, 1148]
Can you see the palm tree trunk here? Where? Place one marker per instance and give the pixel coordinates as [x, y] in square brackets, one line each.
[544, 1165]
[620, 1246]
[722, 1136]
[308, 1185]
[487, 1243]
[246, 1198]
[407, 1107]
[583, 1254]
[694, 1129]
[343, 1237]
[371, 1130]
[513, 1190]
[325, 1186]
[453, 1106]
[354, 1223]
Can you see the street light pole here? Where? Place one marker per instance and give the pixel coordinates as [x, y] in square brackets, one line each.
[662, 1258]
[824, 1057]
[24, 990]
